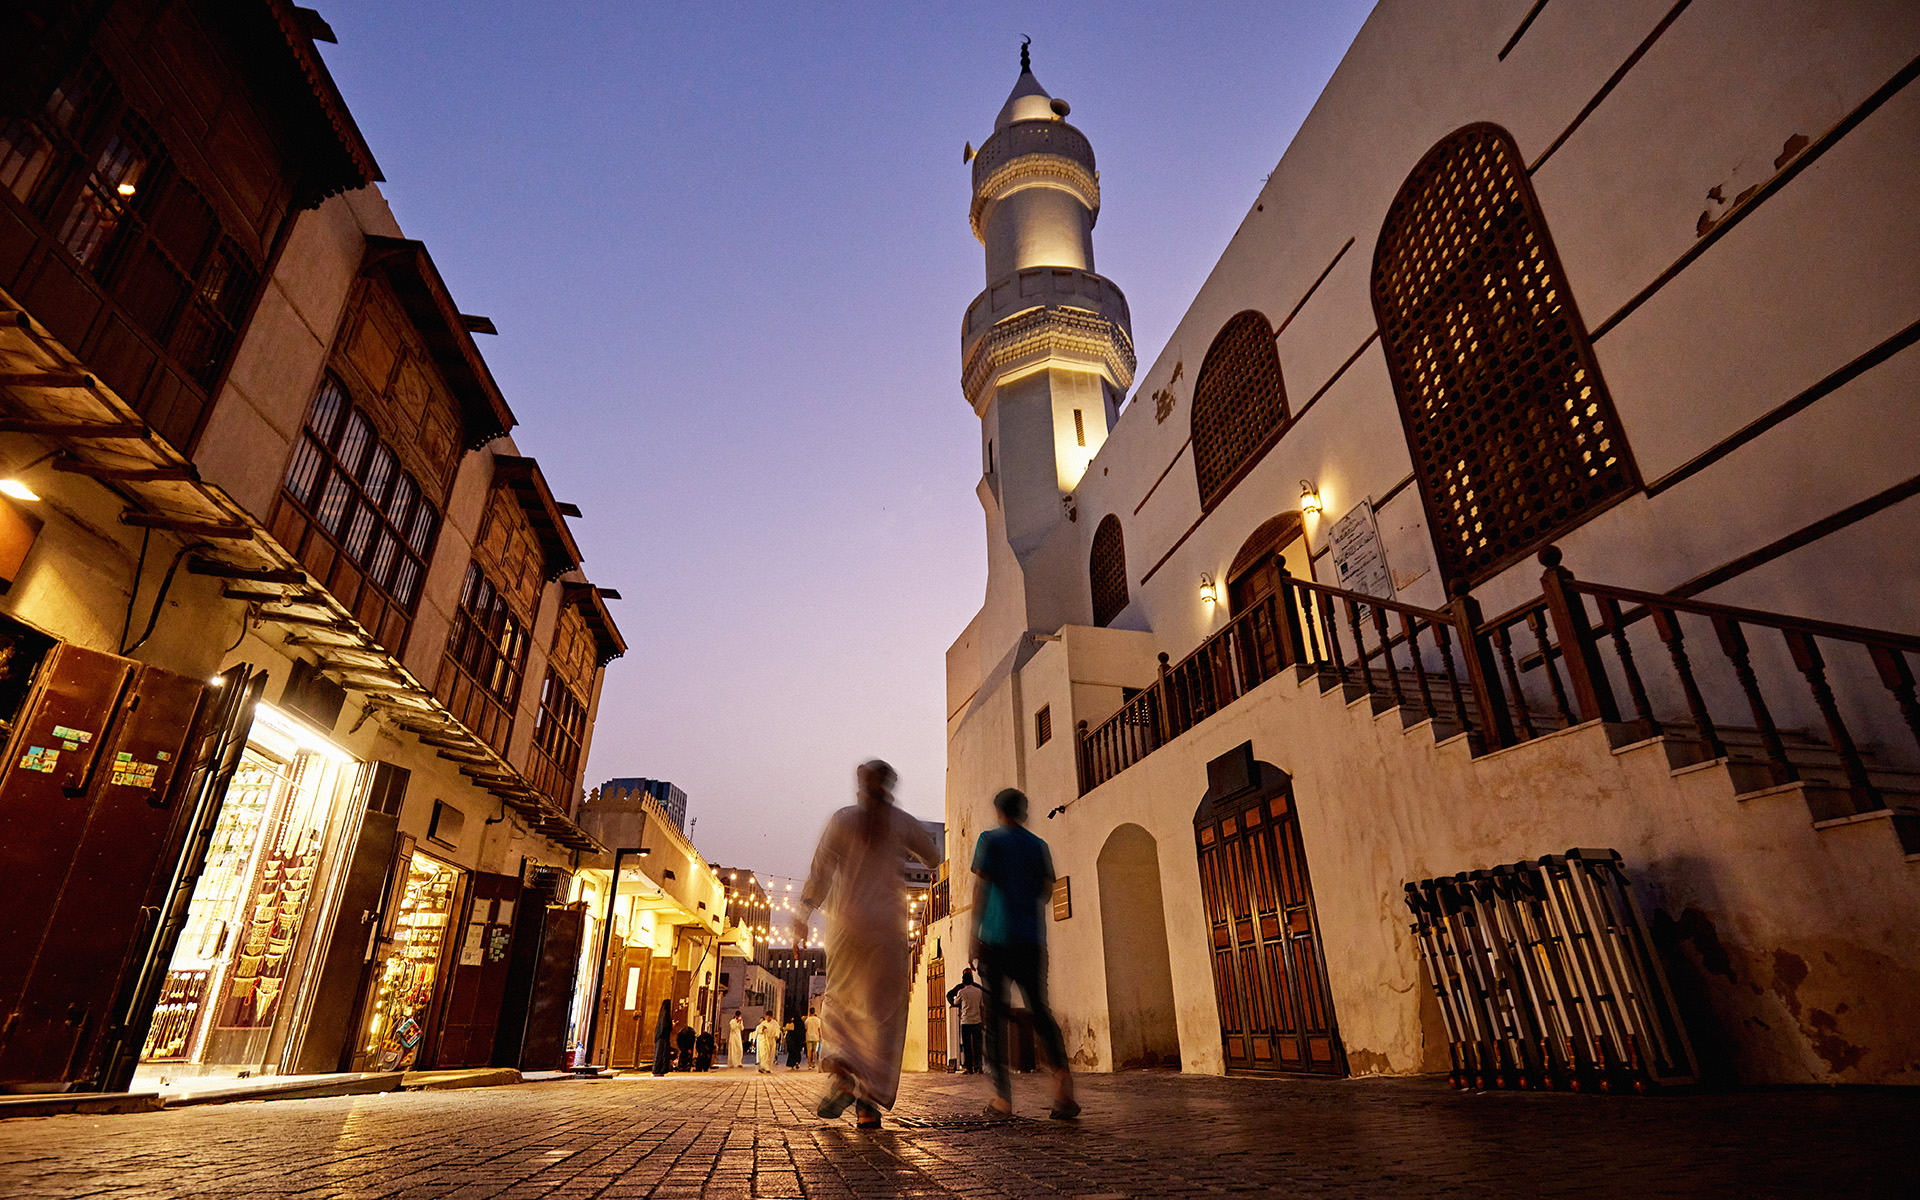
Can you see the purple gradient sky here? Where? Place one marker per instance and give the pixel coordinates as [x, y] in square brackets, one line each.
[726, 247]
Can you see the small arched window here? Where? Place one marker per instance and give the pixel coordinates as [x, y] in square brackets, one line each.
[1513, 436]
[1239, 404]
[1107, 571]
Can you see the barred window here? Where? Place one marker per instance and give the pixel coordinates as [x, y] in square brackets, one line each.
[489, 644]
[1512, 433]
[103, 182]
[560, 727]
[1107, 570]
[1239, 404]
[345, 478]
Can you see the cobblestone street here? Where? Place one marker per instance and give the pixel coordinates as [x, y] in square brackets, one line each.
[1145, 1134]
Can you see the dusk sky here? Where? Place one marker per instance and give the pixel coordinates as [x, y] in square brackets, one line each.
[726, 248]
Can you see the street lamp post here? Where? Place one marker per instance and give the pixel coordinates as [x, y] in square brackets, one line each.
[606, 939]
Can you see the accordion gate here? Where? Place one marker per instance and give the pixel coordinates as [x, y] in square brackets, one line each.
[1546, 977]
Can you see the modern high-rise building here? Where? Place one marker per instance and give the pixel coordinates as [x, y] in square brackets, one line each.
[671, 799]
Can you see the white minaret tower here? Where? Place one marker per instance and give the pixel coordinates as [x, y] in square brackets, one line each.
[1046, 355]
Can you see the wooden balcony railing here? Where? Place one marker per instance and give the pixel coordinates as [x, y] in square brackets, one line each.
[1557, 660]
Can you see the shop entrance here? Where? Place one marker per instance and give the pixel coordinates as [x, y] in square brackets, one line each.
[1276, 1013]
[1133, 937]
[412, 961]
[234, 988]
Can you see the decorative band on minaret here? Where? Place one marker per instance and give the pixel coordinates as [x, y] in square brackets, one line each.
[1036, 196]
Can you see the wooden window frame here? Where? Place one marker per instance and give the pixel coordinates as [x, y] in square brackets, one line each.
[107, 195]
[354, 516]
[1513, 435]
[559, 732]
[486, 660]
[1043, 726]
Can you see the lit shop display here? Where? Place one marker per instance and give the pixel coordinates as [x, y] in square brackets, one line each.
[236, 970]
[403, 992]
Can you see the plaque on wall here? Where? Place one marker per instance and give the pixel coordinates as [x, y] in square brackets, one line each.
[1359, 560]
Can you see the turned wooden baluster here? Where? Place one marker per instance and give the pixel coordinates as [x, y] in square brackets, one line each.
[1516, 700]
[1412, 629]
[1080, 762]
[1586, 674]
[1313, 630]
[1443, 634]
[1636, 690]
[1360, 646]
[1165, 703]
[1292, 645]
[1537, 621]
[1898, 676]
[1332, 631]
[1812, 665]
[1733, 642]
[1386, 657]
[1666, 623]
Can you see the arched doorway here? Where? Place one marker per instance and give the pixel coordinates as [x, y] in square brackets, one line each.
[1133, 935]
[1255, 576]
[1276, 1013]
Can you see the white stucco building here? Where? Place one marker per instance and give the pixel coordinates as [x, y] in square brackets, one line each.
[1579, 338]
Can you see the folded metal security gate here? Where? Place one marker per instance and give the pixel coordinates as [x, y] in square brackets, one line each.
[1546, 977]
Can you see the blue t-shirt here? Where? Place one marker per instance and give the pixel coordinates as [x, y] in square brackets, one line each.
[1019, 873]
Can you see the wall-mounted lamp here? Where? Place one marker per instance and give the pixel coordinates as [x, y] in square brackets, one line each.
[1207, 591]
[1309, 497]
[18, 490]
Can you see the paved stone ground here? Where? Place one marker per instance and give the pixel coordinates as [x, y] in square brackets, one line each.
[1142, 1134]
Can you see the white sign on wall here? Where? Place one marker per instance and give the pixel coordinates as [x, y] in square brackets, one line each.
[1359, 560]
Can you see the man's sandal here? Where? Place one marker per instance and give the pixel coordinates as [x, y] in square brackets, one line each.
[834, 1102]
[1064, 1110]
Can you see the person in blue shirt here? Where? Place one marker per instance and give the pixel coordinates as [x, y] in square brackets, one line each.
[1013, 877]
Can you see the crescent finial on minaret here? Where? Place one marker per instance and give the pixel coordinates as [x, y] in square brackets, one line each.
[1026, 61]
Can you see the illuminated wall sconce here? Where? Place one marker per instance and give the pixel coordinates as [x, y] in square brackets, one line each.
[1207, 592]
[18, 490]
[1309, 497]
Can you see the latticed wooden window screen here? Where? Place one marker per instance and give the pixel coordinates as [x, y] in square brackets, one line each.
[1107, 570]
[1512, 433]
[1239, 404]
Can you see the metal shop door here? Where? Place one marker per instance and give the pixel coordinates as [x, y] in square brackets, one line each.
[479, 981]
[1275, 1010]
[545, 1045]
[94, 831]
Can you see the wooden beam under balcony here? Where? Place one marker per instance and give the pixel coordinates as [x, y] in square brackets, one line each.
[226, 570]
[304, 596]
[180, 474]
[76, 429]
[235, 531]
[46, 379]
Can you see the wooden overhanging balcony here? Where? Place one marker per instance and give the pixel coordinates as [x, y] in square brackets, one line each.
[1565, 658]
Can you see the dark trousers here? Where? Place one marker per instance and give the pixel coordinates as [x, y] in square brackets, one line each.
[1025, 966]
[970, 1047]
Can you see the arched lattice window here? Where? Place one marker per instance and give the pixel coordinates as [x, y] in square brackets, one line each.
[1239, 404]
[1513, 436]
[1107, 570]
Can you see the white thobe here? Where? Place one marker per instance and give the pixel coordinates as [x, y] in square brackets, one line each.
[736, 1046]
[862, 886]
[766, 1036]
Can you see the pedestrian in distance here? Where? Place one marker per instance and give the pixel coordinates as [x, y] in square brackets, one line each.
[858, 878]
[703, 1051]
[686, 1040]
[1013, 876]
[766, 1039]
[663, 1039]
[736, 1042]
[813, 1038]
[970, 998]
[796, 1042]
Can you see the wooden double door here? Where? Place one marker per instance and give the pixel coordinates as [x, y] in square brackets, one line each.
[1276, 1014]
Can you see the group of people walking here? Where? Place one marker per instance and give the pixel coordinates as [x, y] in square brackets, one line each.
[856, 879]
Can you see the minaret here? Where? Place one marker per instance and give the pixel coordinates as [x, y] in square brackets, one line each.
[1046, 350]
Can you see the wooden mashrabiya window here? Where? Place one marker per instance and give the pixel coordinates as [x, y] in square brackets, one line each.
[1513, 436]
[1239, 404]
[1107, 570]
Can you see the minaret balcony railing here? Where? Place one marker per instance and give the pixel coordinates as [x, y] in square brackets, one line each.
[1031, 137]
